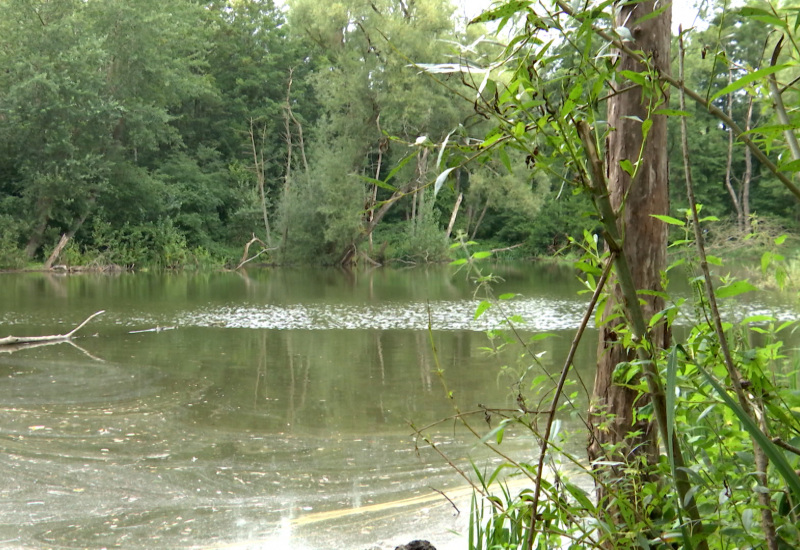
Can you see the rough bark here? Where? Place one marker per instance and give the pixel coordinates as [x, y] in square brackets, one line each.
[644, 240]
[48, 264]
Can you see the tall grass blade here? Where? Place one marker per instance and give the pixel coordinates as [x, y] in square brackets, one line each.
[770, 449]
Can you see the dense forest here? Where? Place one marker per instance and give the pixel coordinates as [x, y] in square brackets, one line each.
[169, 134]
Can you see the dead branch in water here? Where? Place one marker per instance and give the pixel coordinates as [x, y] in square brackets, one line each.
[14, 340]
[246, 256]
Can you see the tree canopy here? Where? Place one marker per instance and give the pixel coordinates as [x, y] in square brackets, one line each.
[170, 134]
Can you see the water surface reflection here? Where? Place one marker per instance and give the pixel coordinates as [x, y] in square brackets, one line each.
[274, 413]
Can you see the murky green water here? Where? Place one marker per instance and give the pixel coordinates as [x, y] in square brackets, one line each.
[269, 410]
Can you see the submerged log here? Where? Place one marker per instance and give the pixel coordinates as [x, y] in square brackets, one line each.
[15, 340]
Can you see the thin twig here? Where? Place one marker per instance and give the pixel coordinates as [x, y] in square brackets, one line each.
[697, 98]
[506, 249]
[762, 462]
[560, 387]
[12, 340]
[781, 443]
[595, 180]
[89, 318]
[453, 504]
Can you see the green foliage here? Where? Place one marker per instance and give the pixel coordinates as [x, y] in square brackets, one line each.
[124, 114]
[159, 246]
[11, 256]
[729, 452]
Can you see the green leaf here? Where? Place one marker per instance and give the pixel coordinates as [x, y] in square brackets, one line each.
[764, 16]
[636, 78]
[626, 165]
[758, 319]
[503, 154]
[493, 138]
[576, 92]
[481, 309]
[669, 219]
[481, 255]
[670, 390]
[671, 112]
[405, 160]
[676, 263]
[791, 166]
[780, 239]
[460, 261]
[734, 289]
[748, 78]
[504, 11]
[653, 14]
[646, 125]
[766, 259]
[713, 260]
[580, 497]
[506, 296]
[379, 183]
[588, 268]
[776, 456]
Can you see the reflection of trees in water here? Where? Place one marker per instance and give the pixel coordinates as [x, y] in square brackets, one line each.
[296, 366]
[422, 361]
[341, 380]
[381, 363]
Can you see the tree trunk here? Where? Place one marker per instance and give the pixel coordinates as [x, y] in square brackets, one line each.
[613, 410]
[478, 222]
[748, 173]
[729, 166]
[37, 234]
[454, 214]
[258, 168]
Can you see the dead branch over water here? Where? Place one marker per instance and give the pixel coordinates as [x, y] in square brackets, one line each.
[51, 338]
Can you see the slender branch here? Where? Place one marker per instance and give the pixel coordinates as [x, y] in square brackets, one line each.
[450, 463]
[781, 443]
[767, 521]
[89, 318]
[780, 108]
[11, 340]
[506, 249]
[599, 189]
[560, 387]
[729, 164]
[453, 504]
[697, 98]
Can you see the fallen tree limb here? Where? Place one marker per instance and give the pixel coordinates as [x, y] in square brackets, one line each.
[506, 249]
[14, 340]
[245, 257]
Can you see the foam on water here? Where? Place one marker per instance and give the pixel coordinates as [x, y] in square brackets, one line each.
[537, 314]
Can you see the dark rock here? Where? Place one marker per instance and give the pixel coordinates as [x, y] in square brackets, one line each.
[417, 545]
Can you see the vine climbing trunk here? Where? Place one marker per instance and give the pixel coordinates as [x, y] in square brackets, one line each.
[618, 432]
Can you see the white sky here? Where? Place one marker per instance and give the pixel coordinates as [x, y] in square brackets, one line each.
[684, 12]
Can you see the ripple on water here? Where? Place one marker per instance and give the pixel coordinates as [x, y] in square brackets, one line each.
[536, 314]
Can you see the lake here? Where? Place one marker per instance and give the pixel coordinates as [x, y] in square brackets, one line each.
[264, 409]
